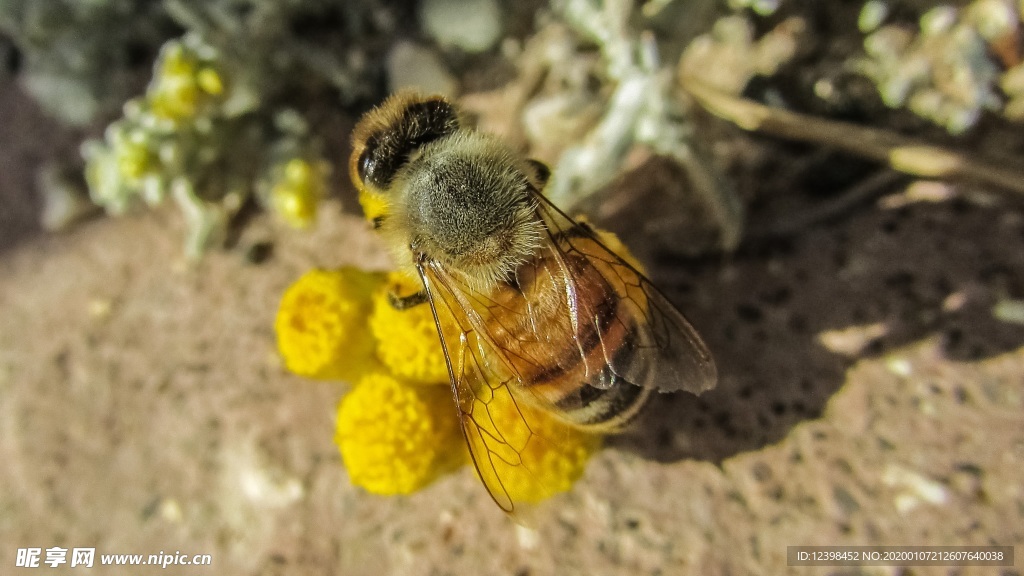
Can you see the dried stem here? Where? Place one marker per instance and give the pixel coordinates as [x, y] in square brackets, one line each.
[900, 153]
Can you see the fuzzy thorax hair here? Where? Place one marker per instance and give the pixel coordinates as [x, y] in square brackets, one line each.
[466, 201]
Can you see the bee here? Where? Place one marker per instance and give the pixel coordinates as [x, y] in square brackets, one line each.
[530, 305]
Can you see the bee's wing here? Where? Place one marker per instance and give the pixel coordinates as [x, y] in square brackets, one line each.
[507, 438]
[621, 334]
[664, 352]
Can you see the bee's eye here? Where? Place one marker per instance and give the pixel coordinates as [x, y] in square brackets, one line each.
[388, 150]
[365, 165]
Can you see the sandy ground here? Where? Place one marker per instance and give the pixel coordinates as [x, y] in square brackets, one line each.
[867, 396]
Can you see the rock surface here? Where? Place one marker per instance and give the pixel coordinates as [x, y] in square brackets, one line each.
[144, 408]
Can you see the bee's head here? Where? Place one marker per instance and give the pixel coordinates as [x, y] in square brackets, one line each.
[387, 136]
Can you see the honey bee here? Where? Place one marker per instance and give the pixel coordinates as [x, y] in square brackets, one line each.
[545, 315]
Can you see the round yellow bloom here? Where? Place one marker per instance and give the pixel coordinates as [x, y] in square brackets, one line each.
[396, 438]
[321, 324]
[181, 84]
[407, 340]
[210, 81]
[134, 158]
[298, 189]
[541, 456]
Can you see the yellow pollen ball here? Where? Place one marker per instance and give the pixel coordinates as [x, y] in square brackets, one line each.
[297, 193]
[542, 456]
[210, 81]
[174, 98]
[134, 160]
[321, 324]
[395, 438]
[407, 340]
[181, 85]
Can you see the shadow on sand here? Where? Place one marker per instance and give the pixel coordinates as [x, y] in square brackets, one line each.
[920, 270]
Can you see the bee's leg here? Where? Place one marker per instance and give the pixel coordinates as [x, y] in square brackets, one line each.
[378, 222]
[542, 172]
[405, 302]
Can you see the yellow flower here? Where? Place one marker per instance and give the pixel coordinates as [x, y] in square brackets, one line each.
[297, 191]
[117, 168]
[181, 83]
[209, 81]
[396, 438]
[134, 158]
[321, 324]
[407, 340]
[540, 456]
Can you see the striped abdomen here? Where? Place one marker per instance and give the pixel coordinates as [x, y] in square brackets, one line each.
[568, 327]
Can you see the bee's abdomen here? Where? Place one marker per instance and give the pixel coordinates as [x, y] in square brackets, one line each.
[575, 365]
[603, 409]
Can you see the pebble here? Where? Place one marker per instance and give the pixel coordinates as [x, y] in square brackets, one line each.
[473, 26]
[412, 66]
